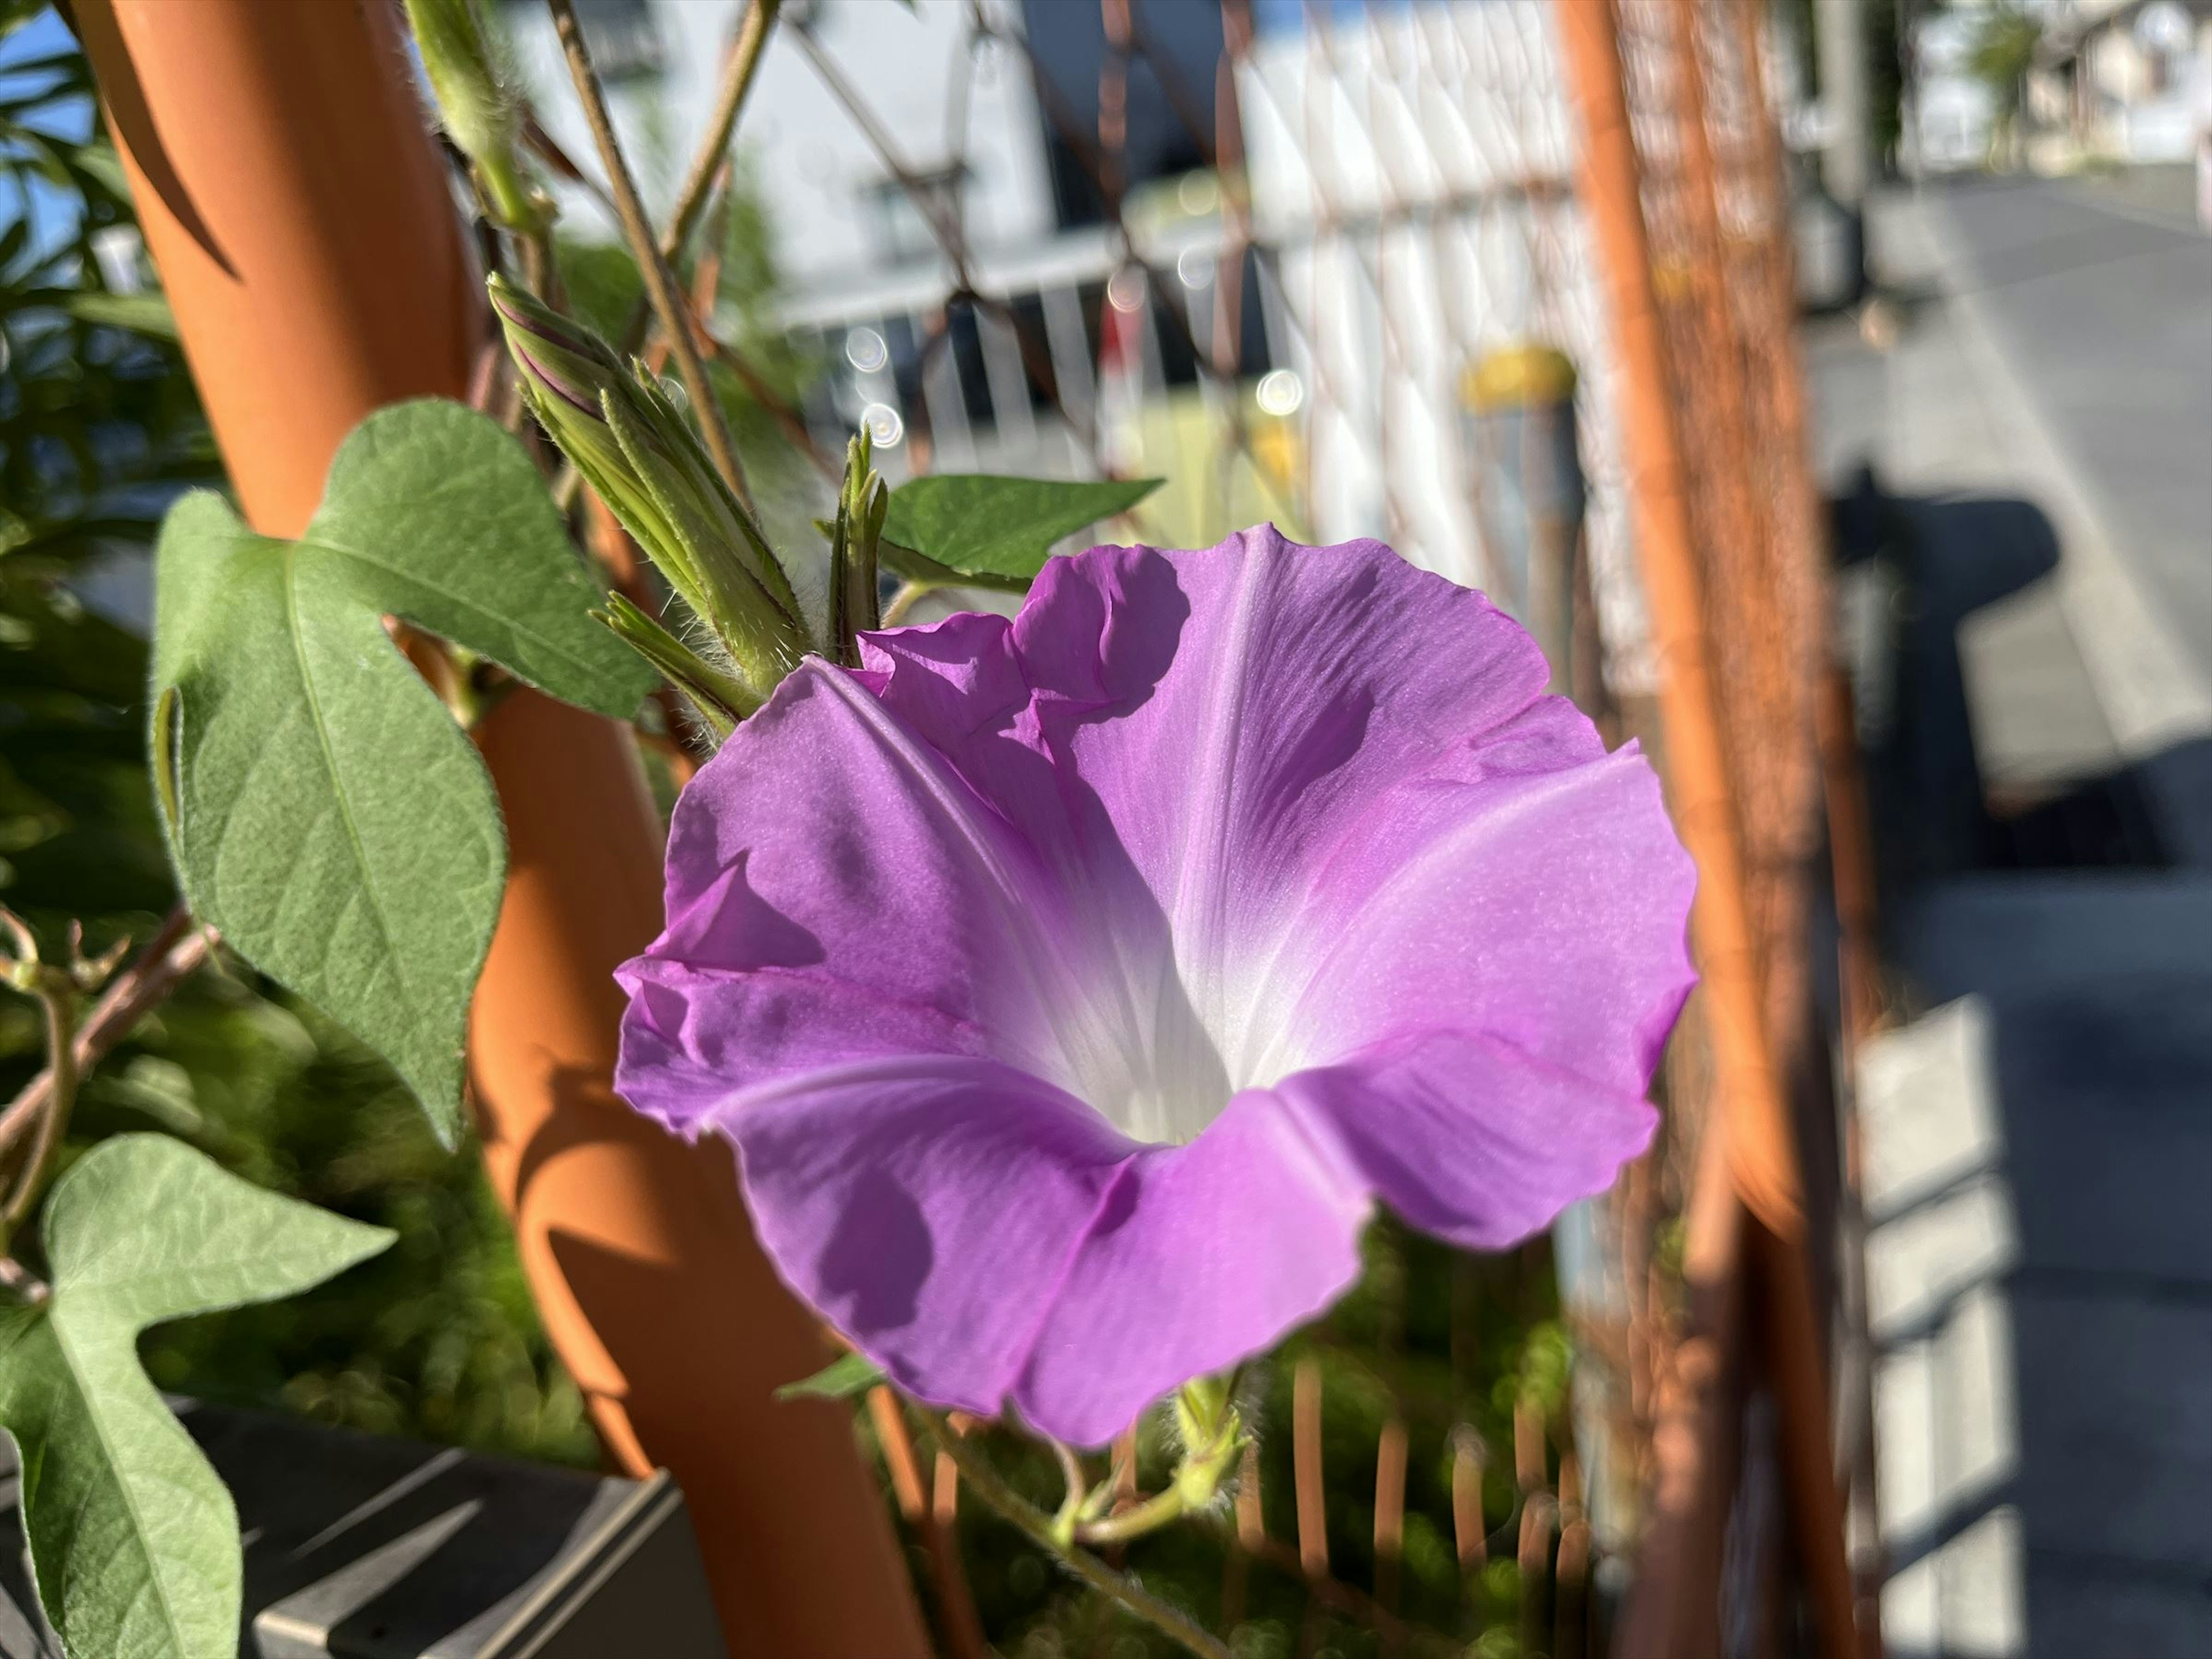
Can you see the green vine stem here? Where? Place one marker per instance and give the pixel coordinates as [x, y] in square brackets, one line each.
[177, 949]
[908, 595]
[75, 1044]
[56, 991]
[58, 1000]
[1132, 1597]
[1155, 1512]
[739, 73]
[668, 306]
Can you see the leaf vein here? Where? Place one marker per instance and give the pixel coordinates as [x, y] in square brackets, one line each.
[383, 922]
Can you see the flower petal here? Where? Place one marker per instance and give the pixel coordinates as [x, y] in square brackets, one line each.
[1469, 1138]
[1275, 858]
[1247, 696]
[1203, 731]
[835, 893]
[1505, 893]
[1198, 1256]
[928, 1208]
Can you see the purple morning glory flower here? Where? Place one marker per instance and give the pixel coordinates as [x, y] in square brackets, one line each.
[1073, 987]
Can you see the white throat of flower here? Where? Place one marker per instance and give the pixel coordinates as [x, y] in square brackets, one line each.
[1159, 1060]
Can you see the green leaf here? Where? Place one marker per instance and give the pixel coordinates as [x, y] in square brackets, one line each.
[904, 562]
[330, 818]
[99, 164]
[142, 313]
[980, 526]
[841, 1379]
[133, 1539]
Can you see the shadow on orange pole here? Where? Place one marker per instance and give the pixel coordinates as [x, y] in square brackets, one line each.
[303, 226]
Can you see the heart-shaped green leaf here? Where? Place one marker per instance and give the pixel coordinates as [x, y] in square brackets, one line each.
[133, 1538]
[326, 812]
[980, 526]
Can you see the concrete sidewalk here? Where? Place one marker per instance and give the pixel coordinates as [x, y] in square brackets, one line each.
[2036, 1133]
[2102, 307]
[2093, 667]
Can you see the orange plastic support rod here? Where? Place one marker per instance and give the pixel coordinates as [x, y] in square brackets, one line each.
[301, 218]
[1760, 1144]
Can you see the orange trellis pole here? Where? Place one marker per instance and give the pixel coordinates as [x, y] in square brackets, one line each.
[1759, 1149]
[301, 222]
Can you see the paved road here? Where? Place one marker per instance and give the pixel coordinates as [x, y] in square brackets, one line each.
[2038, 1142]
[2102, 303]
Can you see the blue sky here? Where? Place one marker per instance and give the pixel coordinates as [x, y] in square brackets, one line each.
[1291, 16]
[51, 210]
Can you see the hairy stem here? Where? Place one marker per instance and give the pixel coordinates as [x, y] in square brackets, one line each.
[176, 949]
[540, 274]
[910, 595]
[659, 282]
[1135, 1521]
[737, 77]
[1132, 1597]
[57, 999]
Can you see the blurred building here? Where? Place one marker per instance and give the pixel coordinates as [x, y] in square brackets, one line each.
[1261, 273]
[2111, 81]
[1953, 110]
[901, 118]
[2119, 75]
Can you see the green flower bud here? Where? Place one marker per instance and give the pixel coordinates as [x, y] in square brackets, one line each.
[629, 439]
[1212, 1430]
[1202, 1405]
[855, 537]
[477, 107]
[719, 699]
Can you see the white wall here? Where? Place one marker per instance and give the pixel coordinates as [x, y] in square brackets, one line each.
[811, 163]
